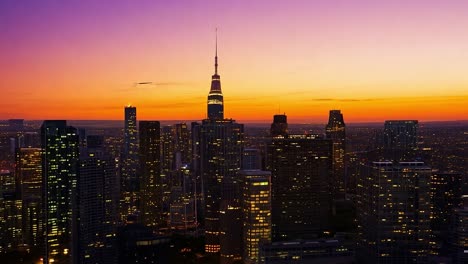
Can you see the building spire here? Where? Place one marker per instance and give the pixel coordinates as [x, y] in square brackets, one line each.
[216, 53]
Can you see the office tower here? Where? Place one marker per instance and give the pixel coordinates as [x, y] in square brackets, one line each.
[400, 139]
[300, 168]
[129, 170]
[252, 159]
[168, 148]
[393, 208]
[59, 176]
[218, 156]
[183, 151]
[182, 215]
[336, 132]
[98, 197]
[182, 212]
[138, 244]
[459, 234]
[151, 192]
[446, 196]
[10, 213]
[256, 212]
[279, 127]
[29, 140]
[215, 96]
[230, 232]
[29, 175]
[217, 150]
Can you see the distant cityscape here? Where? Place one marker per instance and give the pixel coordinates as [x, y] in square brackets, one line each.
[218, 191]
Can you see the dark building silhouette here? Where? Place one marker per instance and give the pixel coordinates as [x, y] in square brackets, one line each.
[279, 127]
[252, 159]
[129, 165]
[138, 244]
[98, 198]
[300, 168]
[307, 252]
[151, 191]
[400, 139]
[219, 158]
[393, 205]
[336, 132]
[230, 232]
[60, 181]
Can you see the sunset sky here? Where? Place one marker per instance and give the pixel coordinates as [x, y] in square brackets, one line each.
[374, 60]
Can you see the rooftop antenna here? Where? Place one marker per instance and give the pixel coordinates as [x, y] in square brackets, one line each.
[216, 53]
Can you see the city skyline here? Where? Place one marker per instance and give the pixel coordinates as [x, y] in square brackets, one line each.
[373, 61]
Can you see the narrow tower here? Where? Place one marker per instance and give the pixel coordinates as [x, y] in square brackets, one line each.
[215, 97]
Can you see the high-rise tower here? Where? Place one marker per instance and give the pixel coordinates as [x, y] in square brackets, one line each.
[129, 178]
[59, 176]
[151, 191]
[335, 130]
[215, 97]
[394, 213]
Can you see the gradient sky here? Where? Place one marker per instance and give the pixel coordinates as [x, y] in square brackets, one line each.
[374, 60]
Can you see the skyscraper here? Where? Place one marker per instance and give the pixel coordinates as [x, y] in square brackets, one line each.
[400, 139]
[59, 176]
[151, 191]
[300, 168]
[446, 196]
[256, 212]
[29, 175]
[129, 169]
[182, 152]
[10, 213]
[393, 204]
[279, 127]
[335, 131]
[98, 197]
[218, 148]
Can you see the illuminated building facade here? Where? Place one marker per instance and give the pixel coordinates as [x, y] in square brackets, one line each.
[59, 176]
[10, 213]
[29, 175]
[256, 212]
[446, 196]
[98, 197]
[300, 168]
[459, 238]
[151, 200]
[129, 170]
[393, 205]
[336, 131]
